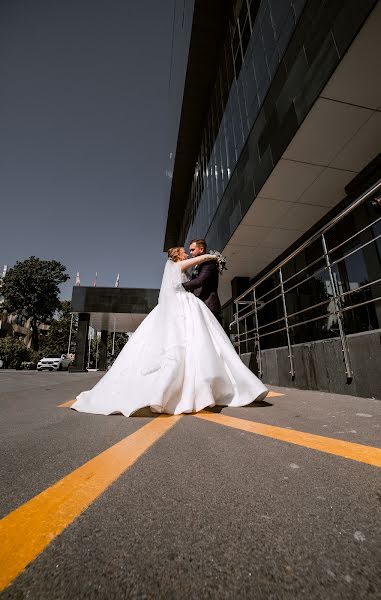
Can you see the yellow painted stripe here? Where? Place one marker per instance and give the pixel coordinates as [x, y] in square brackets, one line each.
[358, 452]
[26, 532]
[68, 403]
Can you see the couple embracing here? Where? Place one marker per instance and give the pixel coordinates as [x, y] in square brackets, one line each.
[180, 359]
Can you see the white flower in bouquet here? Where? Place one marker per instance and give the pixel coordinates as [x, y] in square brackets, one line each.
[221, 260]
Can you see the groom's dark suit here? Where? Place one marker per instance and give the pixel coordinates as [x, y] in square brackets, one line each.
[204, 285]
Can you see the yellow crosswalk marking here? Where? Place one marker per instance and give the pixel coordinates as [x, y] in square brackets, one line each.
[26, 531]
[358, 452]
[68, 403]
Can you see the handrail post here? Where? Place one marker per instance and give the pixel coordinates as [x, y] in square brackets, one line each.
[258, 343]
[238, 331]
[290, 356]
[246, 342]
[338, 312]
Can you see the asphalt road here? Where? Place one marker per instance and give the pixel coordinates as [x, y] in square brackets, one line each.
[207, 511]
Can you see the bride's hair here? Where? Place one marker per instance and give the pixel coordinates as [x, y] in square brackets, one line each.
[174, 253]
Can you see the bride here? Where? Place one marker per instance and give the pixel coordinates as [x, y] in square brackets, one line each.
[179, 360]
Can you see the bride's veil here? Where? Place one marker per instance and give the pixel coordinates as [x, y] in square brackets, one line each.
[168, 341]
[170, 306]
[170, 283]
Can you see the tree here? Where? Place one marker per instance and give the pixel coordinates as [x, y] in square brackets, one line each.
[31, 290]
[120, 341]
[57, 339]
[64, 312]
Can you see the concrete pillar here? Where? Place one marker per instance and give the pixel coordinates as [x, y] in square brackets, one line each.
[81, 346]
[102, 350]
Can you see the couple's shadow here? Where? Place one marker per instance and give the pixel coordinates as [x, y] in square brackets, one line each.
[146, 412]
[255, 404]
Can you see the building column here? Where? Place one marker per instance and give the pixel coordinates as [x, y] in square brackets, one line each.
[81, 346]
[102, 350]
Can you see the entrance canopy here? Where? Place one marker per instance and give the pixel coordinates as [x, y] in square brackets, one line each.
[106, 306]
[108, 310]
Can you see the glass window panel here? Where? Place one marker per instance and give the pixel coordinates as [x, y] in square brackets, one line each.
[245, 36]
[243, 15]
[212, 188]
[237, 64]
[243, 108]
[224, 174]
[279, 11]
[215, 172]
[235, 42]
[250, 84]
[229, 65]
[259, 60]
[268, 34]
[254, 6]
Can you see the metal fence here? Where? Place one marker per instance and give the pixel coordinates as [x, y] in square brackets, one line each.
[250, 332]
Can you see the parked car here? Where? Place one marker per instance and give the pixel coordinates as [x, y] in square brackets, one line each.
[54, 362]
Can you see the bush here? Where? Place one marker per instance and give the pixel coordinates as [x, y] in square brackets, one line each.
[28, 365]
[13, 352]
[35, 356]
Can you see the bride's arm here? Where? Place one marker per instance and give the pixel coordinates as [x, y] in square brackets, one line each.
[192, 262]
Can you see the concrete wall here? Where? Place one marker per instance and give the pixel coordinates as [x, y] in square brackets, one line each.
[320, 366]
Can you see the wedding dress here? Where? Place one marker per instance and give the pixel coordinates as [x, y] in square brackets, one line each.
[179, 360]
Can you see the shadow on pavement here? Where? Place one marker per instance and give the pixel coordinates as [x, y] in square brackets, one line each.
[258, 404]
[146, 412]
[255, 404]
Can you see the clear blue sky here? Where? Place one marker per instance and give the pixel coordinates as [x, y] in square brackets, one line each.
[83, 136]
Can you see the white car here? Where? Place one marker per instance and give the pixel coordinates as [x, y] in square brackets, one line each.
[54, 362]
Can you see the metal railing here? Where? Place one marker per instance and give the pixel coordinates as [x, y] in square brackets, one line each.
[249, 304]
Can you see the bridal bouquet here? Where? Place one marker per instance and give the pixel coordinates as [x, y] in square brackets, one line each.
[221, 260]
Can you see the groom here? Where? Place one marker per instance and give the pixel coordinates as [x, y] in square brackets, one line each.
[204, 282]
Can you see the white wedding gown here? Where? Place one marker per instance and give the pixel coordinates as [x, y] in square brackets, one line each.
[179, 360]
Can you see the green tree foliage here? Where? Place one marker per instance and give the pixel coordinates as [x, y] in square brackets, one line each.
[120, 341]
[64, 310]
[57, 338]
[31, 290]
[13, 352]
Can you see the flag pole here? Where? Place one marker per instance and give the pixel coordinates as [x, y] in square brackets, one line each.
[88, 357]
[113, 340]
[96, 354]
[71, 328]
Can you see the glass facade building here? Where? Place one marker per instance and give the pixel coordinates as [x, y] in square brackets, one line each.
[259, 88]
[256, 41]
